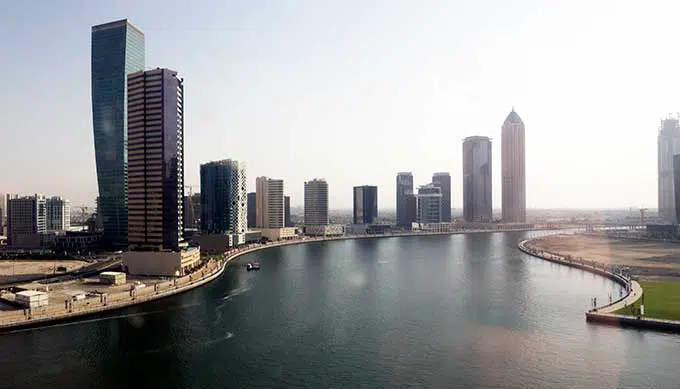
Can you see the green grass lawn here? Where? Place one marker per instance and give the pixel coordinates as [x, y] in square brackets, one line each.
[662, 300]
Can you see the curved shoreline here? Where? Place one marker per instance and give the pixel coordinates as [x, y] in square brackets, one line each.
[38, 319]
[605, 314]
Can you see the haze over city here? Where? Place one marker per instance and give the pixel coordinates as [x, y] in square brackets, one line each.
[356, 91]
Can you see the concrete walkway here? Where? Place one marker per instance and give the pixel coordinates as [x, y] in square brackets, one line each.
[628, 300]
[632, 287]
[605, 314]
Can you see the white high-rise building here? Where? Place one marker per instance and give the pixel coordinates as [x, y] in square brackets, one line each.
[668, 145]
[269, 203]
[57, 214]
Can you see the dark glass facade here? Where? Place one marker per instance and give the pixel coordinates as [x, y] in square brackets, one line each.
[676, 179]
[286, 212]
[220, 204]
[117, 50]
[477, 191]
[365, 204]
[404, 189]
[252, 209]
[443, 181]
[410, 210]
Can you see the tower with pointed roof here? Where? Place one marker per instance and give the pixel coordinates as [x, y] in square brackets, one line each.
[513, 184]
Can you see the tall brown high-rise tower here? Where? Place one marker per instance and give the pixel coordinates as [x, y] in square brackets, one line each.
[513, 169]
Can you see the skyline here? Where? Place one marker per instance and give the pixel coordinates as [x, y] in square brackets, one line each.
[370, 88]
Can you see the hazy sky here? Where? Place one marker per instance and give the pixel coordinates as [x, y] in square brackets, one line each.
[355, 91]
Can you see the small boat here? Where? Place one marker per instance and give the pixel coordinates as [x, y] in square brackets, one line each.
[253, 266]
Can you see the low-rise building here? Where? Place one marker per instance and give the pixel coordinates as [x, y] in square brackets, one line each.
[325, 230]
[437, 227]
[253, 236]
[368, 229]
[275, 234]
[31, 298]
[216, 243]
[76, 295]
[76, 241]
[112, 278]
[162, 263]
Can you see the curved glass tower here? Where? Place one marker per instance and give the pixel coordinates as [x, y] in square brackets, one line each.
[117, 50]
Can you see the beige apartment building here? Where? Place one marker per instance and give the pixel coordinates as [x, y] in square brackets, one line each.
[269, 203]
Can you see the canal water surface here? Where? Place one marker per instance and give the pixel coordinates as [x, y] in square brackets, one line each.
[408, 312]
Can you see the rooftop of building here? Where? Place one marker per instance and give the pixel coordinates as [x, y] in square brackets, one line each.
[30, 293]
[474, 138]
[116, 24]
[513, 117]
[228, 161]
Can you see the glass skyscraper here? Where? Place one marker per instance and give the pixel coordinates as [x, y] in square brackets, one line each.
[117, 50]
[224, 201]
[405, 213]
[477, 191]
[365, 204]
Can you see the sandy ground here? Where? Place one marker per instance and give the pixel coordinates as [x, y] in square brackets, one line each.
[11, 270]
[648, 258]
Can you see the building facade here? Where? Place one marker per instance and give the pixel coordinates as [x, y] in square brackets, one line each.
[442, 180]
[269, 212]
[668, 146]
[26, 219]
[224, 202]
[57, 214]
[411, 211]
[252, 210]
[477, 191]
[676, 187]
[316, 202]
[155, 160]
[286, 212]
[513, 180]
[365, 204]
[3, 214]
[404, 190]
[117, 50]
[429, 204]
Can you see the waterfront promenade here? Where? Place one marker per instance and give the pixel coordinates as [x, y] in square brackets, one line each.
[606, 313]
[62, 310]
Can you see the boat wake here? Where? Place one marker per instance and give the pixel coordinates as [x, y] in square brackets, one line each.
[236, 292]
[192, 345]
